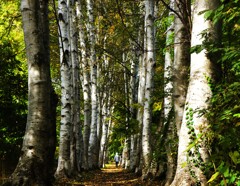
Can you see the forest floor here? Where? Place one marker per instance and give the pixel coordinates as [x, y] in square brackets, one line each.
[109, 176]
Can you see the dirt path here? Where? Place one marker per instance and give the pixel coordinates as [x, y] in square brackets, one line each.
[111, 176]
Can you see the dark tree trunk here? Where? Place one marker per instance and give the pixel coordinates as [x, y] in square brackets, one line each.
[36, 161]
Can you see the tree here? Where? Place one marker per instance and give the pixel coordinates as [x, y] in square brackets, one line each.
[85, 81]
[76, 138]
[93, 144]
[66, 127]
[192, 151]
[169, 124]
[36, 161]
[149, 65]
[182, 41]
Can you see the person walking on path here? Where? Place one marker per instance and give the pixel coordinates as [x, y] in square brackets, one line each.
[116, 159]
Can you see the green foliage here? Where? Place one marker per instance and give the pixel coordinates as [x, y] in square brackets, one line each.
[194, 159]
[124, 126]
[116, 144]
[224, 114]
[13, 101]
[13, 81]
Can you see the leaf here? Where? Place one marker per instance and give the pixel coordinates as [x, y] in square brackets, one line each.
[226, 173]
[184, 164]
[193, 143]
[235, 157]
[208, 14]
[196, 49]
[237, 124]
[237, 115]
[213, 177]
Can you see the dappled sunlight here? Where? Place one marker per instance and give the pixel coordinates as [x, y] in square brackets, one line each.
[112, 168]
[110, 175]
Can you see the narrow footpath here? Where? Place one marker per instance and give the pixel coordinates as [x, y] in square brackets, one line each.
[111, 176]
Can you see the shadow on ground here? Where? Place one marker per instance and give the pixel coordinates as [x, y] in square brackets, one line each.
[110, 176]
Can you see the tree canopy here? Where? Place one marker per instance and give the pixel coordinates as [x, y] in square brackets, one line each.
[140, 78]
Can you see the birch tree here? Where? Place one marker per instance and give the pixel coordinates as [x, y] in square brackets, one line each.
[140, 97]
[168, 101]
[76, 138]
[182, 39]
[191, 158]
[64, 166]
[149, 62]
[36, 161]
[85, 82]
[133, 102]
[93, 158]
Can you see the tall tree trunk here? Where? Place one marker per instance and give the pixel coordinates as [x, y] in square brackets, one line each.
[133, 102]
[103, 141]
[195, 123]
[76, 137]
[150, 63]
[93, 158]
[182, 39]
[104, 96]
[169, 125]
[127, 145]
[64, 166]
[140, 98]
[85, 84]
[36, 161]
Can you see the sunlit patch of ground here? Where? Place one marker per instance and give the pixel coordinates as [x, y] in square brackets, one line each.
[111, 176]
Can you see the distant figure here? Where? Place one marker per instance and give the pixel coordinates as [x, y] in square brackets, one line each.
[116, 159]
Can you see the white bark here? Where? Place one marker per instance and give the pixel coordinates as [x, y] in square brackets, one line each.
[150, 62]
[181, 60]
[76, 133]
[168, 104]
[93, 158]
[66, 96]
[103, 142]
[198, 97]
[140, 98]
[133, 102]
[127, 144]
[85, 84]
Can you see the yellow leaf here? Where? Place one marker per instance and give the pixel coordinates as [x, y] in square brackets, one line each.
[184, 164]
[237, 124]
[213, 177]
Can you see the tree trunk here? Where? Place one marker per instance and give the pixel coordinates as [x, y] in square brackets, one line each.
[140, 98]
[85, 84]
[190, 167]
[150, 63]
[64, 166]
[182, 39]
[93, 158]
[133, 102]
[103, 141]
[127, 145]
[169, 135]
[77, 131]
[36, 161]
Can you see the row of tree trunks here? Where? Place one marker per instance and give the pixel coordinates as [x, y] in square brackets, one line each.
[85, 82]
[185, 98]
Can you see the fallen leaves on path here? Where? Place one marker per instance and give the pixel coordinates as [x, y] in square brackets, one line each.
[110, 176]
